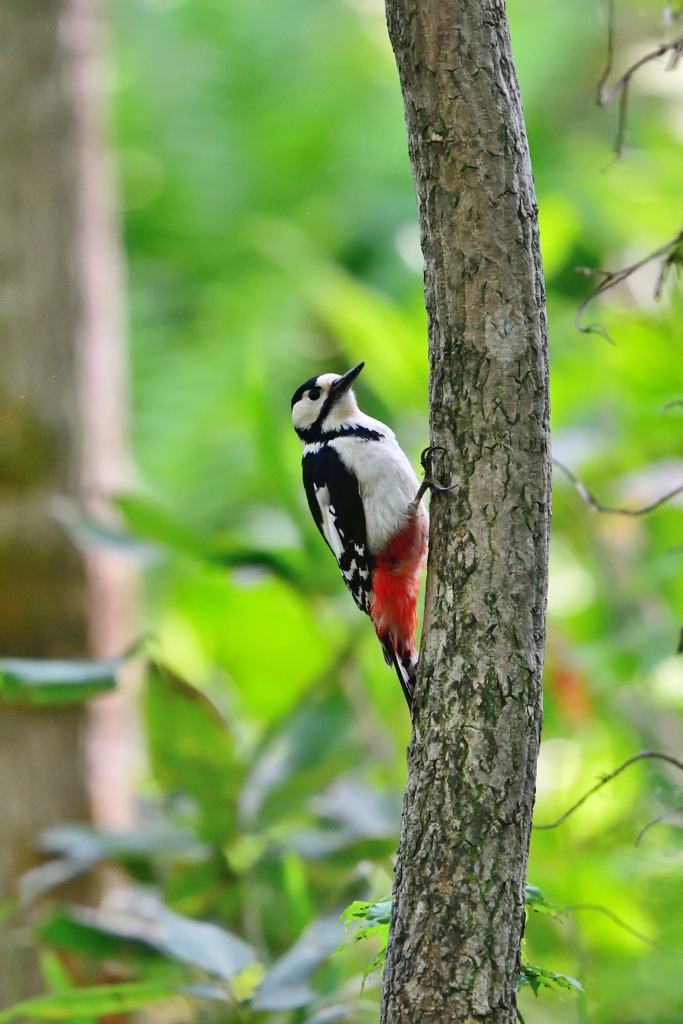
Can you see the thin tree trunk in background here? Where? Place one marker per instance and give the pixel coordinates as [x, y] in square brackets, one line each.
[459, 891]
[62, 423]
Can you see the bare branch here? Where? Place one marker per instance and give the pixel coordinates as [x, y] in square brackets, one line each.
[607, 96]
[655, 821]
[643, 755]
[611, 18]
[617, 920]
[591, 500]
[620, 88]
[671, 255]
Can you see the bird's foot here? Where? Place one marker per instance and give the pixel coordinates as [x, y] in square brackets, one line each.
[428, 482]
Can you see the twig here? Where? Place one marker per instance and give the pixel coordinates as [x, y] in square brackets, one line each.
[605, 98]
[643, 755]
[519, 1017]
[613, 917]
[672, 252]
[611, 19]
[620, 88]
[656, 821]
[593, 502]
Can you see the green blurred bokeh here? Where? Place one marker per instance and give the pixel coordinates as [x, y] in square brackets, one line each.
[271, 231]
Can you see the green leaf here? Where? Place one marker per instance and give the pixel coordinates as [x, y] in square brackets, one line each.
[209, 990]
[357, 909]
[58, 981]
[536, 901]
[37, 881]
[262, 631]
[244, 985]
[65, 933]
[161, 839]
[140, 915]
[375, 929]
[150, 522]
[37, 682]
[285, 986]
[377, 917]
[52, 969]
[82, 847]
[377, 961]
[299, 757]
[380, 912]
[535, 977]
[89, 534]
[374, 913]
[297, 889]
[192, 750]
[357, 812]
[90, 1002]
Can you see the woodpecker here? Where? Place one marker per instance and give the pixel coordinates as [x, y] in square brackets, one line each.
[366, 501]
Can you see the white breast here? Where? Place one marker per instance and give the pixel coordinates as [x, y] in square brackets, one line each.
[387, 483]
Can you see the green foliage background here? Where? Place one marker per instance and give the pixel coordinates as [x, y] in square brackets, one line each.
[270, 225]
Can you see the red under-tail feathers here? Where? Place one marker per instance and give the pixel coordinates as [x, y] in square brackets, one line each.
[393, 611]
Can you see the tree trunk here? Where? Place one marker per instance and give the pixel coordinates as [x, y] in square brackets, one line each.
[454, 950]
[60, 334]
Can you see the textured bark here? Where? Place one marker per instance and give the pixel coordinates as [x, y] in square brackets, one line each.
[59, 437]
[458, 897]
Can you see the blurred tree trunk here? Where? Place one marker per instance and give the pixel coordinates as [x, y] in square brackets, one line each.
[454, 950]
[62, 427]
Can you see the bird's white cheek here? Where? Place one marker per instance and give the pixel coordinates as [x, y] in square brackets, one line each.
[304, 414]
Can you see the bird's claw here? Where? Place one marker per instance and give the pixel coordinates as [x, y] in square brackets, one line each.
[426, 463]
[428, 482]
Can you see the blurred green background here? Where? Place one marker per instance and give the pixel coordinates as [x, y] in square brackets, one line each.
[271, 231]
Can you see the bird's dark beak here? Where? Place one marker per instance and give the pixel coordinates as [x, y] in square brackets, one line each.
[344, 383]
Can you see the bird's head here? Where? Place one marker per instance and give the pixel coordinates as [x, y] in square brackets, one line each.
[324, 404]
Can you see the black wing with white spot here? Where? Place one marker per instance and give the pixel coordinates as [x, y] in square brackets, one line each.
[337, 509]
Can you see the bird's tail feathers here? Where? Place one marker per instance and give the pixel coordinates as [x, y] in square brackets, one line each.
[405, 665]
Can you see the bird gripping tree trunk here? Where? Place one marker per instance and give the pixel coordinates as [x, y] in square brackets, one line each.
[458, 915]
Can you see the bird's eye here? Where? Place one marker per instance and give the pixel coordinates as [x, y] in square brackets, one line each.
[314, 394]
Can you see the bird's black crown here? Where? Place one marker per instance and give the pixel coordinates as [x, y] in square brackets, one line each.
[300, 392]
